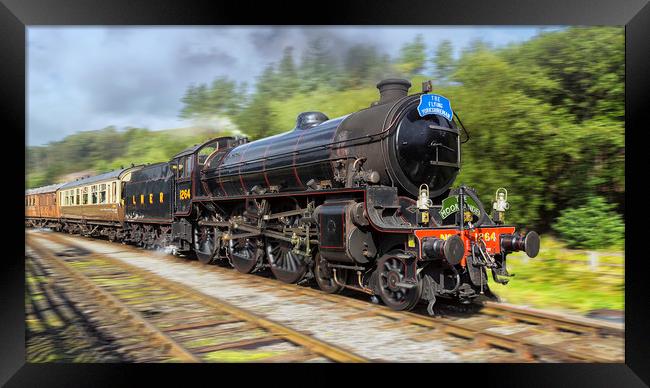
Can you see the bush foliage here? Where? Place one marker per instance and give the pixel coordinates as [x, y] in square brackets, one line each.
[592, 225]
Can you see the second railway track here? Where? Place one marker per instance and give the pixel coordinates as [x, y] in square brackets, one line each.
[158, 320]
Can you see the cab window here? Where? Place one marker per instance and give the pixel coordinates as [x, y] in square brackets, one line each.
[205, 152]
[180, 168]
[188, 167]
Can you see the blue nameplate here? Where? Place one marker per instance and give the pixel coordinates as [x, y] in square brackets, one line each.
[434, 104]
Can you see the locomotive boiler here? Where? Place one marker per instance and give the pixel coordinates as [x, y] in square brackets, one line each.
[387, 144]
[364, 201]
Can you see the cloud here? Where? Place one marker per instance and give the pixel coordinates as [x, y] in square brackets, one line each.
[85, 78]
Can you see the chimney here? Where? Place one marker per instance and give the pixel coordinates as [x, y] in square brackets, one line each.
[392, 89]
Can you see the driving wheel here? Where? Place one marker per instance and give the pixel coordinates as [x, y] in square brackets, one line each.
[325, 276]
[207, 242]
[394, 290]
[286, 265]
[245, 254]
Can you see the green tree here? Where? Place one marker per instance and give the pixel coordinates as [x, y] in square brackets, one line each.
[586, 65]
[221, 98]
[267, 83]
[256, 120]
[443, 62]
[288, 81]
[363, 63]
[318, 68]
[412, 57]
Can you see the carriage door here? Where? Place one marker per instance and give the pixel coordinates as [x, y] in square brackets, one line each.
[183, 197]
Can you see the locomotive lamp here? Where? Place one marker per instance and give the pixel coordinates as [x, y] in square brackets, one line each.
[500, 205]
[423, 204]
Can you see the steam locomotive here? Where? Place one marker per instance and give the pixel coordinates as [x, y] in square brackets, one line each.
[364, 201]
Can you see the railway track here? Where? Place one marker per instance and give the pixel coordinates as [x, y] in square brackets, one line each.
[55, 329]
[580, 342]
[158, 320]
[517, 334]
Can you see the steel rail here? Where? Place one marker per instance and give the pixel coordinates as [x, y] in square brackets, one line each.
[110, 301]
[558, 321]
[314, 345]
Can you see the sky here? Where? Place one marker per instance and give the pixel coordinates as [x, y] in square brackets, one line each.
[89, 78]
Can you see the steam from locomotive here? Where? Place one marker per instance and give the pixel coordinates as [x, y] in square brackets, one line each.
[364, 201]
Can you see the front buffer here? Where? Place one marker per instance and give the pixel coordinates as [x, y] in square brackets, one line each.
[454, 261]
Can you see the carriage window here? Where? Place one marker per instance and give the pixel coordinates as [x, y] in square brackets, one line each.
[93, 194]
[114, 192]
[102, 193]
[84, 196]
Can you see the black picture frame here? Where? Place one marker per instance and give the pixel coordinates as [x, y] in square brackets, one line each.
[17, 15]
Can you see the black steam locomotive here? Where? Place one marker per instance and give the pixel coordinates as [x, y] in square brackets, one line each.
[362, 201]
